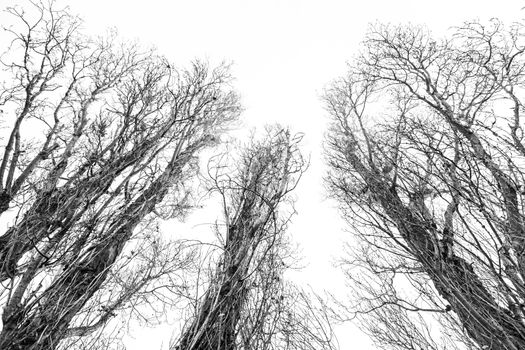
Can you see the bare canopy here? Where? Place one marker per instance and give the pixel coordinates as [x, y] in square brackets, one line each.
[427, 161]
[97, 133]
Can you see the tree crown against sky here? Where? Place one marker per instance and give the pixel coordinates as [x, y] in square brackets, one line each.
[426, 160]
[248, 303]
[85, 188]
[102, 141]
[98, 134]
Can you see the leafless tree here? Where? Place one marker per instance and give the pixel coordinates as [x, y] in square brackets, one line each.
[427, 162]
[99, 139]
[247, 304]
[302, 322]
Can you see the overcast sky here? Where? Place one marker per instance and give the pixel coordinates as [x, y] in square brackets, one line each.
[283, 54]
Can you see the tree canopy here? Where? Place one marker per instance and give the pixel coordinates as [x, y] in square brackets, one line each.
[101, 141]
[426, 156]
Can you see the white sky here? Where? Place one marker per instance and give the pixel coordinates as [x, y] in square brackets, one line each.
[284, 52]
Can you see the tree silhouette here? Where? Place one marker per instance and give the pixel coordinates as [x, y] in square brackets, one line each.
[247, 303]
[426, 156]
[97, 135]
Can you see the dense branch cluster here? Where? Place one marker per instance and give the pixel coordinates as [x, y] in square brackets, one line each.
[100, 142]
[100, 134]
[247, 304]
[426, 154]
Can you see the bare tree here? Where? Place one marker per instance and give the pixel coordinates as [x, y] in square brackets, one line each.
[247, 304]
[100, 138]
[301, 322]
[427, 162]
